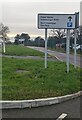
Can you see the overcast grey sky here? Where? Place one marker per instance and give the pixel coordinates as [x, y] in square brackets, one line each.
[22, 16]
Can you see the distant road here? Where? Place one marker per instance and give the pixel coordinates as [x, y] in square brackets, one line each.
[71, 108]
[60, 56]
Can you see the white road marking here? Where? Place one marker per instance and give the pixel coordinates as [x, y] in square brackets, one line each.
[62, 116]
[58, 59]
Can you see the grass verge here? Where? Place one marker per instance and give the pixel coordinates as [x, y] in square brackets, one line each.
[35, 81]
[20, 50]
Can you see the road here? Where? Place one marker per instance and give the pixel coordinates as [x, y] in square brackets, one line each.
[71, 108]
[61, 56]
[28, 57]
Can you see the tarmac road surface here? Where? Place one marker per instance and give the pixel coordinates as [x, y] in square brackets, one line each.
[71, 108]
[61, 56]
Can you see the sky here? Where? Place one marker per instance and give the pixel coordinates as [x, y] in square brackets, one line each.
[21, 15]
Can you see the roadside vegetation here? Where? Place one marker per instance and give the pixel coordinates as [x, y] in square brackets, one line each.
[20, 50]
[28, 79]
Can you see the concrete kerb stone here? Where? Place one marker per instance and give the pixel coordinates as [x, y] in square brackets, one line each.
[37, 102]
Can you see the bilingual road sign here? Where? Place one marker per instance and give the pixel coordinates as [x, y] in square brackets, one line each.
[57, 21]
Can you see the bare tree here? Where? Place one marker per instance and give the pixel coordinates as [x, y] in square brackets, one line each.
[59, 33]
[3, 32]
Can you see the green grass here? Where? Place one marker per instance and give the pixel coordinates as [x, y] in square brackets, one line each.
[37, 82]
[20, 50]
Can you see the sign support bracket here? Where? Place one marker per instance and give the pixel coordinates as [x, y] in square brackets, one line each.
[75, 39]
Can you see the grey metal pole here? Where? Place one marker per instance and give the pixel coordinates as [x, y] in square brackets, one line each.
[46, 48]
[75, 39]
[67, 49]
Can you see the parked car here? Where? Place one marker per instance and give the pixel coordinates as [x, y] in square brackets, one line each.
[70, 47]
[0, 43]
[63, 45]
[78, 47]
[81, 47]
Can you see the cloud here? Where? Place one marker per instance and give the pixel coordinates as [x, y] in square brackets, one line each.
[22, 16]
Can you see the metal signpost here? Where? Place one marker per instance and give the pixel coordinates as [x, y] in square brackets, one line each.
[58, 21]
[45, 47]
[75, 35]
[67, 49]
[75, 39]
